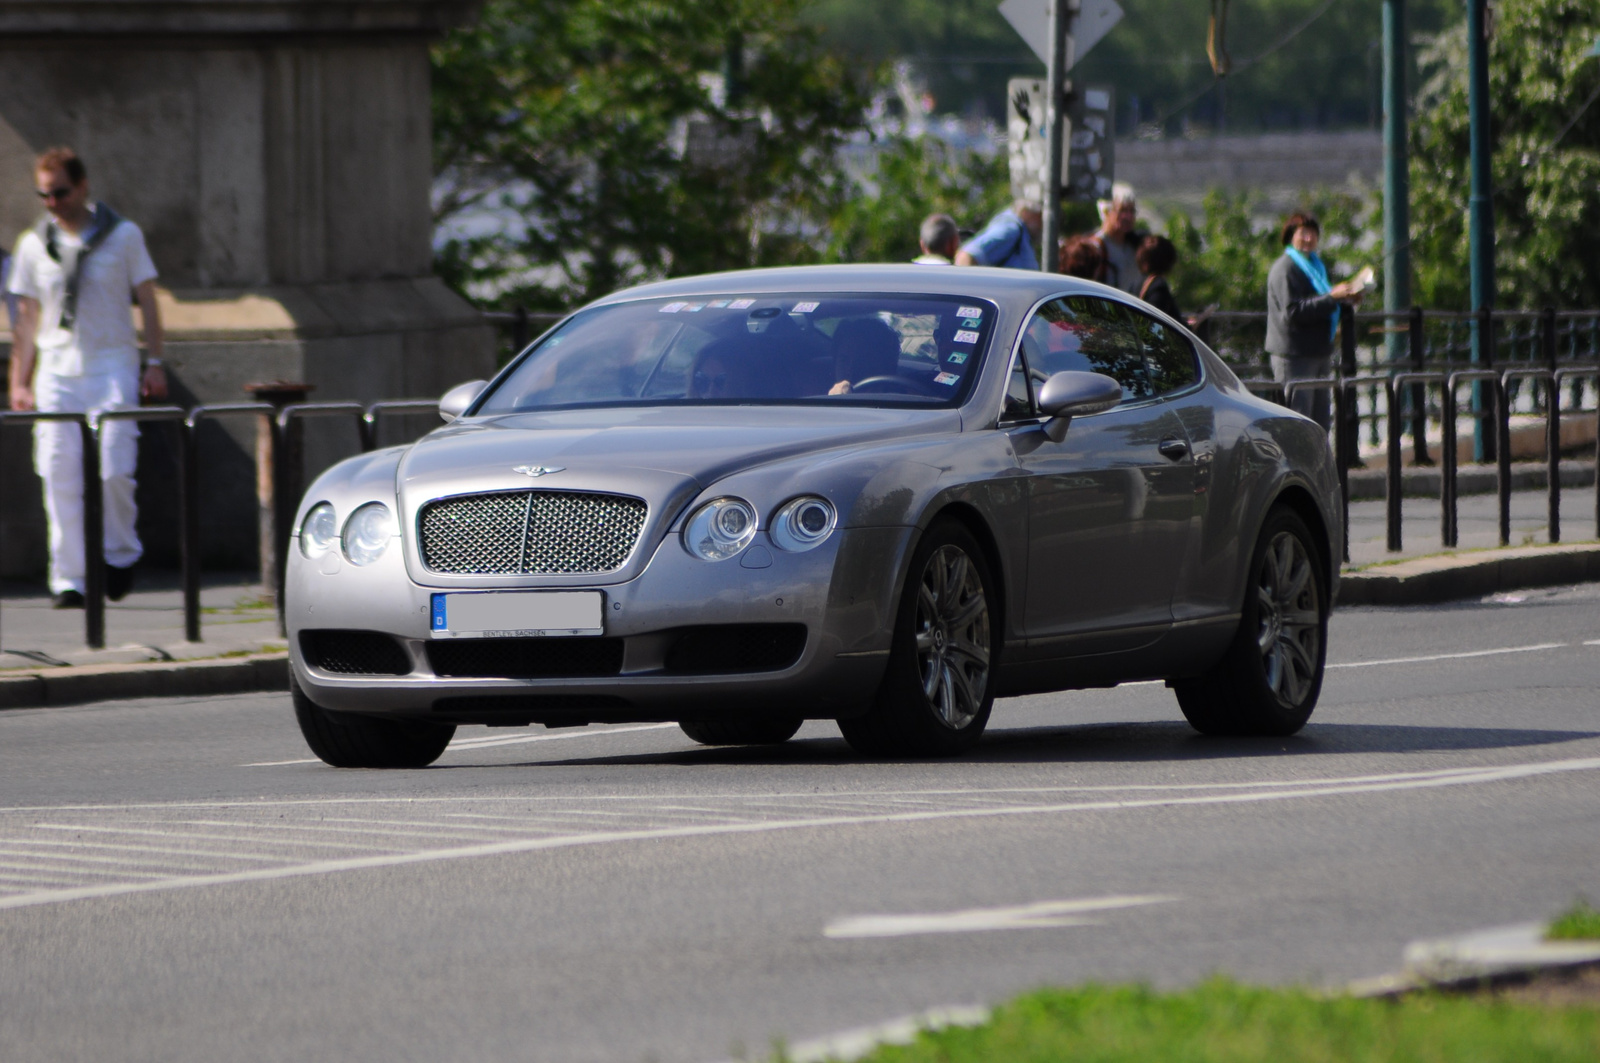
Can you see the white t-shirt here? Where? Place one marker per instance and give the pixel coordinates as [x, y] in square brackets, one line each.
[103, 339]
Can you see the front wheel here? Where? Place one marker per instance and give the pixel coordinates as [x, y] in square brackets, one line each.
[938, 687]
[351, 740]
[1269, 680]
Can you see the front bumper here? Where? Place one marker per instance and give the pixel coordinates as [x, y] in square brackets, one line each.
[843, 593]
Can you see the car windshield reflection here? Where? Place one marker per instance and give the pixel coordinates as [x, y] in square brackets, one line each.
[799, 348]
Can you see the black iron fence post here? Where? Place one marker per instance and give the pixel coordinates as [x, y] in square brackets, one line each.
[189, 526]
[1502, 452]
[94, 539]
[1349, 421]
[1419, 391]
[1552, 424]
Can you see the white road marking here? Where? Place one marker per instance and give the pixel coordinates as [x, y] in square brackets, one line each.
[209, 837]
[1327, 788]
[493, 740]
[1017, 917]
[1591, 642]
[853, 1044]
[1453, 656]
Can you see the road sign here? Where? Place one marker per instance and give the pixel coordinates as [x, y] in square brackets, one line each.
[1087, 172]
[1031, 20]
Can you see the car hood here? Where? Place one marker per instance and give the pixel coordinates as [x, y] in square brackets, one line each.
[602, 449]
[664, 455]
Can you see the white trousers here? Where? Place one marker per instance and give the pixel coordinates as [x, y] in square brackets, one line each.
[58, 458]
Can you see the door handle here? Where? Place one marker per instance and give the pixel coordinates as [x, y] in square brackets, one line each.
[1173, 448]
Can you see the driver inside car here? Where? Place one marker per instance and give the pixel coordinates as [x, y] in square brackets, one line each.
[863, 348]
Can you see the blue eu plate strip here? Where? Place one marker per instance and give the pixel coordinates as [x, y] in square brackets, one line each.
[439, 622]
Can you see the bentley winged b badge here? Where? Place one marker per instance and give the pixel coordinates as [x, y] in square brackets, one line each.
[537, 471]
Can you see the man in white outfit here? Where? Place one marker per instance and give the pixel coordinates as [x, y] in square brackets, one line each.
[74, 349]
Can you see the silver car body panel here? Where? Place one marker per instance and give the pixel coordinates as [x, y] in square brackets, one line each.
[1115, 563]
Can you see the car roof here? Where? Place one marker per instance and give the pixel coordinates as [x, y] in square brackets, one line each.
[1013, 288]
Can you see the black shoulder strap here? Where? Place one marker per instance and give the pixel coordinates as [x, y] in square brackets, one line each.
[101, 226]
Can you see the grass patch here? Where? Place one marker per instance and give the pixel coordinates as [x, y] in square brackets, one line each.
[1581, 922]
[1221, 1021]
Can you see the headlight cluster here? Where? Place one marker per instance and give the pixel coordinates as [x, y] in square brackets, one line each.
[366, 534]
[723, 527]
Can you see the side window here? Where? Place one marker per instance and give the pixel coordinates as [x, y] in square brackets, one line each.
[1168, 354]
[1090, 335]
[1019, 397]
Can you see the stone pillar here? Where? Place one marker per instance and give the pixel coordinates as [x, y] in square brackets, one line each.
[277, 154]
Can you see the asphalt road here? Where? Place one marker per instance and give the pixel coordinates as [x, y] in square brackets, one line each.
[178, 882]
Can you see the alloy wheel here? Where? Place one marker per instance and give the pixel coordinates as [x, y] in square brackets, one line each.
[952, 637]
[1290, 619]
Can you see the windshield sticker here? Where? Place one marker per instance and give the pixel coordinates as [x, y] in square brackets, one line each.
[946, 378]
[741, 304]
[672, 308]
[966, 336]
[970, 322]
[804, 308]
[969, 311]
[693, 308]
[957, 357]
[717, 304]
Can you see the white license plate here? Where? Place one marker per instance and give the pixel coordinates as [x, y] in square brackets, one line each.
[518, 614]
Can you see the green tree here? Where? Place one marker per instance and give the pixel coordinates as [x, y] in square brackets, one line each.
[878, 220]
[560, 139]
[1546, 160]
[1223, 261]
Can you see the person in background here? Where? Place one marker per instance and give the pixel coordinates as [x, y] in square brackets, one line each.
[1303, 315]
[1119, 239]
[1156, 257]
[74, 351]
[1005, 240]
[1081, 257]
[940, 240]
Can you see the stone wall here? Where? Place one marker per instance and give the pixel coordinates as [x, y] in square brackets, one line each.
[277, 156]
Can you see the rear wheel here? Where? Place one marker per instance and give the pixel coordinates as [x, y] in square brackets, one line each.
[938, 688]
[767, 731]
[1269, 680]
[351, 740]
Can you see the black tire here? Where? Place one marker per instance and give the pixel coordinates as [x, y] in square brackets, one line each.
[938, 687]
[1269, 680]
[350, 740]
[765, 731]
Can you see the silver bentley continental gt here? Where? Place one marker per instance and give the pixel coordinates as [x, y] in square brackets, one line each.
[881, 495]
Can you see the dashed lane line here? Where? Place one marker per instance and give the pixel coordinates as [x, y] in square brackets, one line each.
[491, 741]
[802, 818]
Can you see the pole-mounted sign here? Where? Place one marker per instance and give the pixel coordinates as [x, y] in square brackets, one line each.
[1060, 32]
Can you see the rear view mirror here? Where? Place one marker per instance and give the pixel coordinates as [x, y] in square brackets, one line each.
[458, 398]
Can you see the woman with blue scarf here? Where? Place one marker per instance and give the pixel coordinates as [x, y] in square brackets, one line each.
[1303, 315]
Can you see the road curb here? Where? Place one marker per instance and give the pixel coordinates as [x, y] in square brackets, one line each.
[1486, 957]
[107, 682]
[1372, 483]
[1449, 577]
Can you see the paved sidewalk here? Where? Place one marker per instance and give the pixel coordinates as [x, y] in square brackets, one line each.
[145, 626]
[1477, 524]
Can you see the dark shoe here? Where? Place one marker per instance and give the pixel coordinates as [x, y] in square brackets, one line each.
[119, 581]
[68, 600]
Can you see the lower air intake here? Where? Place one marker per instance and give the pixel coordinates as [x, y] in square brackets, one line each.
[355, 652]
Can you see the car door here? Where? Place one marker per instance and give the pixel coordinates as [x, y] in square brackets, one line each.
[1106, 504]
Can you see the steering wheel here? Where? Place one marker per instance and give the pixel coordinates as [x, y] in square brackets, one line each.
[896, 384]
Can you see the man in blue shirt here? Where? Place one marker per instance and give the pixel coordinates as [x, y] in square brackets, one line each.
[1007, 240]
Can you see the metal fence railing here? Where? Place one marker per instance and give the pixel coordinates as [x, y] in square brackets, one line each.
[277, 466]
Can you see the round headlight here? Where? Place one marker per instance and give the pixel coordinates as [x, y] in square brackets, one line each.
[319, 531]
[368, 532]
[720, 529]
[803, 523]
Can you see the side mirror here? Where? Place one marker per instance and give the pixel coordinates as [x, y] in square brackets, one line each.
[1075, 394]
[458, 398]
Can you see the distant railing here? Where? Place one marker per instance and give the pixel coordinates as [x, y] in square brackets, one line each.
[280, 429]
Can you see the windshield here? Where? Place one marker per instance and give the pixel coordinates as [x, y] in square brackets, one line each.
[861, 349]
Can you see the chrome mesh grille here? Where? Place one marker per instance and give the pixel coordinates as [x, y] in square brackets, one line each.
[530, 532]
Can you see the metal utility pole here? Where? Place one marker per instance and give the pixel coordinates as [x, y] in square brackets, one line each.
[1060, 31]
[1480, 208]
[1396, 186]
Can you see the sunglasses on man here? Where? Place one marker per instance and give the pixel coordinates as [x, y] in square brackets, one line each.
[54, 193]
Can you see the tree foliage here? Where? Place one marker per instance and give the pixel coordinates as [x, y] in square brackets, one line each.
[559, 139]
[1224, 260]
[1327, 74]
[878, 220]
[1546, 191]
